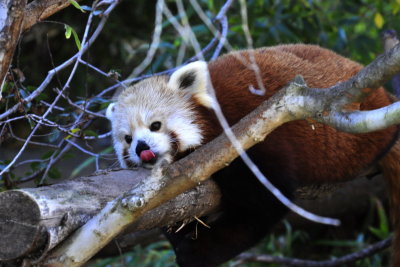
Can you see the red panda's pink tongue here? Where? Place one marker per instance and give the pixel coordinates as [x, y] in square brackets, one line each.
[147, 155]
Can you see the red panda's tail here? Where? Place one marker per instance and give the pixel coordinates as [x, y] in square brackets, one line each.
[391, 169]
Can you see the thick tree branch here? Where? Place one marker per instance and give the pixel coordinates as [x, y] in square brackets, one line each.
[39, 10]
[37, 219]
[372, 76]
[11, 19]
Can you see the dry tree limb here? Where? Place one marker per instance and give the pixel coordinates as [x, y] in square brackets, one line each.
[35, 220]
[19, 17]
[39, 10]
[11, 20]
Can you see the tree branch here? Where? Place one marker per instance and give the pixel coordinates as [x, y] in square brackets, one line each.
[390, 40]
[39, 10]
[11, 19]
[349, 258]
[37, 219]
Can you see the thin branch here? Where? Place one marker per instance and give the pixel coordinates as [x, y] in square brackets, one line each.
[64, 65]
[85, 46]
[154, 43]
[30, 142]
[252, 64]
[83, 109]
[349, 258]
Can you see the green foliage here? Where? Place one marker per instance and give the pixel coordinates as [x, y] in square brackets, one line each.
[76, 5]
[68, 31]
[350, 27]
[158, 254]
[382, 231]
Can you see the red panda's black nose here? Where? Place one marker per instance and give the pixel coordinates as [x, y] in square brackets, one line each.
[140, 147]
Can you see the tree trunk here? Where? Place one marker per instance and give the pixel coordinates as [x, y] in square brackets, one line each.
[11, 19]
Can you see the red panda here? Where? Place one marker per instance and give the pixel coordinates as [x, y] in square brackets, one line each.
[166, 117]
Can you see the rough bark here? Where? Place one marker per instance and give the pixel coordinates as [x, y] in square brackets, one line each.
[15, 17]
[39, 10]
[11, 19]
[37, 219]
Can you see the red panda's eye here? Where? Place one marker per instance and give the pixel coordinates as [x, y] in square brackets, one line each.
[128, 138]
[155, 126]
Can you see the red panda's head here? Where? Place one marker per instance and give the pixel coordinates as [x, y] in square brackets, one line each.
[154, 119]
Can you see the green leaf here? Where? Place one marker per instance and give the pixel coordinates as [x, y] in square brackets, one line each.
[54, 135]
[70, 31]
[379, 20]
[72, 132]
[75, 130]
[377, 232]
[35, 166]
[31, 88]
[90, 133]
[47, 155]
[76, 38]
[6, 87]
[396, 7]
[54, 173]
[76, 5]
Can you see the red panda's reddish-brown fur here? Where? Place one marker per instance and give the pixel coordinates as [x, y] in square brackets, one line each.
[390, 167]
[296, 153]
[311, 147]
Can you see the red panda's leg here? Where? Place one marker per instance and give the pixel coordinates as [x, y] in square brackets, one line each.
[248, 213]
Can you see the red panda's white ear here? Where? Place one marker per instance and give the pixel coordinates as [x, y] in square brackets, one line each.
[110, 111]
[193, 78]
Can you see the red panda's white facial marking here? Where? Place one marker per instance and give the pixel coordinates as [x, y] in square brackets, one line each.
[154, 119]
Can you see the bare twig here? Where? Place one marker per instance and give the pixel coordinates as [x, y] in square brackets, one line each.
[155, 41]
[349, 258]
[52, 73]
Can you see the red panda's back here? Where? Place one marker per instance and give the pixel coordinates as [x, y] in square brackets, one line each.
[313, 154]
